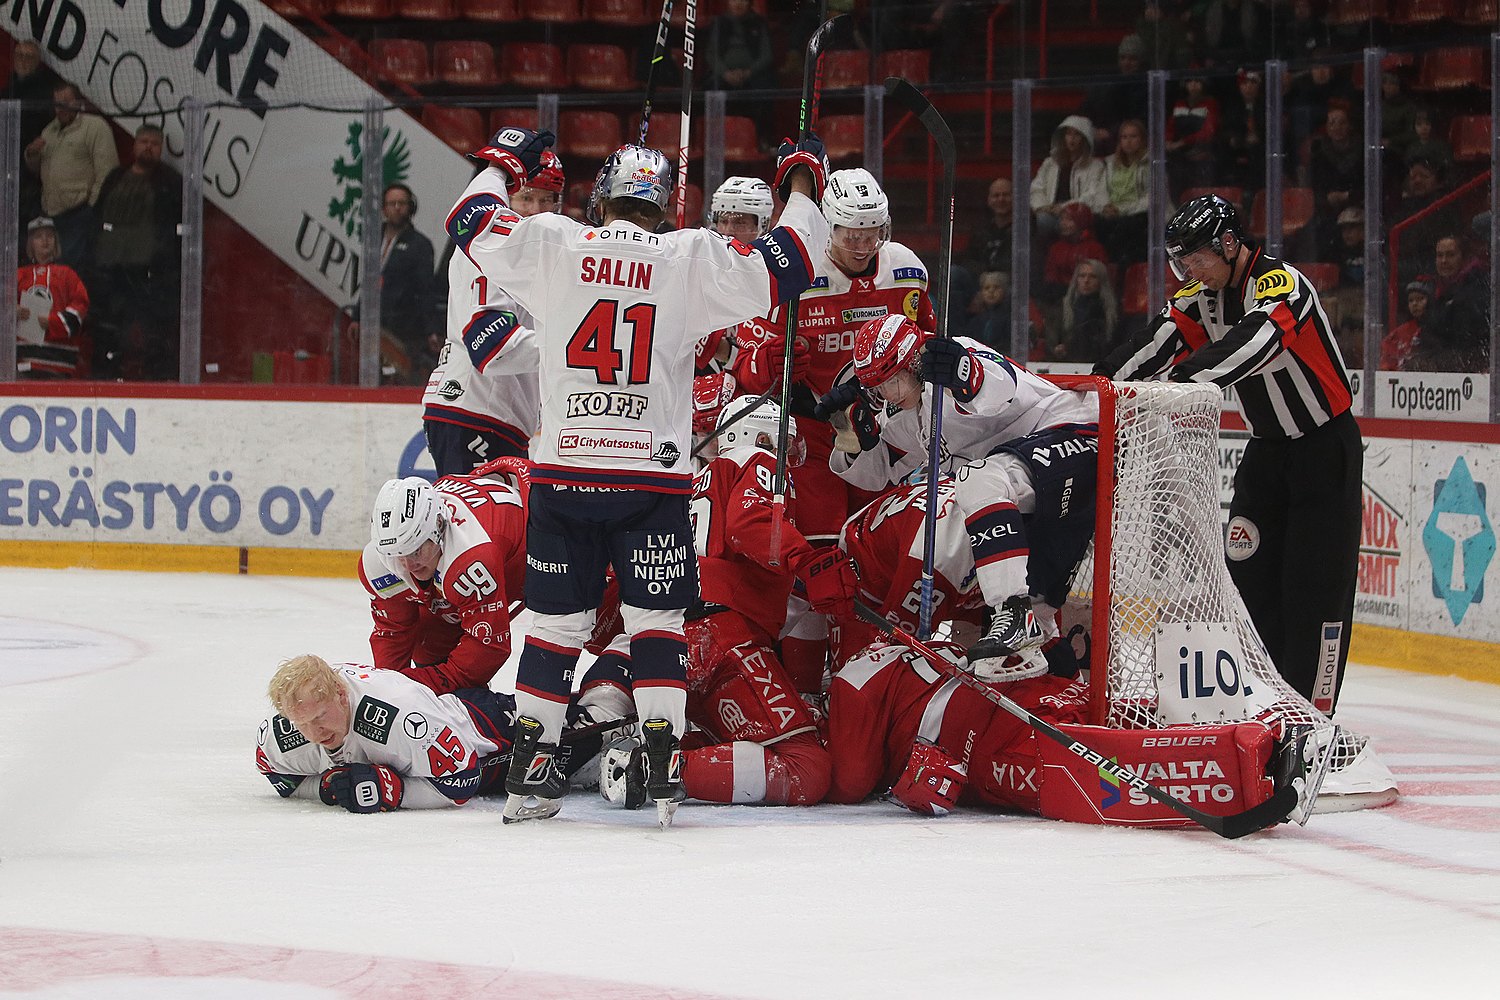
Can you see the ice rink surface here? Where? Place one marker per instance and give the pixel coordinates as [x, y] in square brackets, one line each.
[142, 855]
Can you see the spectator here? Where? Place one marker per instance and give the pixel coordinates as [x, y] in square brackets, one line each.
[738, 56]
[1090, 316]
[52, 304]
[1398, 118]
[1243, 137]
[1348, 251]
[943, 27]
[1069, 174]
[1127, 180]
[1164, 37]
[409, 339]
[32, 84]
[1192, 127]
[989, 242]
[1397, 346]
[1075, 242]
[1420, 193]
[1306, 35]
[1336, 172]
[1425, 146]
[988, 320]
[72, 156]
[138, 255]
[1234, 32]
[1114, 100]
[1456, 329]
[1310, 96]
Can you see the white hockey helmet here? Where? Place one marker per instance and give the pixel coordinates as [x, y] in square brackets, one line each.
[759, 427]
[747, 196]
[853, 199]
[407, 514]
[632, 172]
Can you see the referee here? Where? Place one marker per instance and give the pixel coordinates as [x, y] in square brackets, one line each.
[1254, 322]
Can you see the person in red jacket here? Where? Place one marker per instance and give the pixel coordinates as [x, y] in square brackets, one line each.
[52, 303]
[1075, 243]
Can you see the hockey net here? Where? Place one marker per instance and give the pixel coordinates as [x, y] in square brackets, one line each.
[1158, 560]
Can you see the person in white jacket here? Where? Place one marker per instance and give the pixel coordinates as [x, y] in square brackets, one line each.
[1070, 173]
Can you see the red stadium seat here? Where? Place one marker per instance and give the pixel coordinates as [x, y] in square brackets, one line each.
[843, 135]
[620, 13]
[666, 128]
[1451, 69]
[1480, 14]
[1348, 13]
[1135, 294]
[1323, 277]
[912, 65]
[588, 135]
[600, 67]
[493, 11]
[347, 51]
[400, 60]
[533, 65]
[1297, 206]
[554, 11]
[1421, 13]
[845, 68]
[426, 10]
[1469, 135]
[465, 64]
[741, 144]
[504, 117]
[298, 10]
[461, 128]
[365, 10]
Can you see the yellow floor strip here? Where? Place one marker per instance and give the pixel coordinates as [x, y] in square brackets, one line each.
[179, 558]
[1426, 654]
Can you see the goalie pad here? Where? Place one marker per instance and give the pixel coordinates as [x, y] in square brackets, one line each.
[1215, 769]
[737, 688]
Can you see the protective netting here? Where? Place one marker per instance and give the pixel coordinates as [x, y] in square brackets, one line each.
[1166, 556]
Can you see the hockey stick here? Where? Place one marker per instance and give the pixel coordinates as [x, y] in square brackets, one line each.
[913, 100]
[658, 53]
[1277, 809]
[690, 23]
[812, 78]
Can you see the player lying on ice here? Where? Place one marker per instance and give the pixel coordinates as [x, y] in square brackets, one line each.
[376, 740]
[1021, 451]
[444, 568]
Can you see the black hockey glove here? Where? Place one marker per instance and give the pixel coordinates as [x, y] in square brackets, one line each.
[837, 399]
[361, 788]
[809, 153]
[859, 430]
[948, 363]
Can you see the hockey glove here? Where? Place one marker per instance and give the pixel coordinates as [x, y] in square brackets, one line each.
[932, 782]
[948, 363]
[361, 788]
[518, 152]
[857, 430]
[809, 153]
[831, 584]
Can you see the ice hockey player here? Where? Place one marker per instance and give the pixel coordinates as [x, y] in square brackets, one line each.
[760, 742]
[740, 209]
[475, 410]
[1255, 322]
[443, 565]
[894, 721]
[1022, 453]
[618, 309]
[711, 393]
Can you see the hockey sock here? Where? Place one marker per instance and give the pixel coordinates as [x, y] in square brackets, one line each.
[998, 541]
[658, 662]
[793, 772]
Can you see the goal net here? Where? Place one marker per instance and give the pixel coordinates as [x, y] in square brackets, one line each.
[1172, 642]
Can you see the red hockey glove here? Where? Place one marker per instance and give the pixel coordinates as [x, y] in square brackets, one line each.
[831, 584]
[518, 152]
[809, 153]
[361, 788]
[932, 782]
[947, 362]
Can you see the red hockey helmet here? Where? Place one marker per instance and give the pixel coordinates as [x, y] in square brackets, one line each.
[710, 393]
[550, 177]
[885, 346]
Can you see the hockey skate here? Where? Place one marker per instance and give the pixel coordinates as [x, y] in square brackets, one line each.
[535, 782]
[1013, 628]
[1302, 759]
[663, 756]
[622, 772]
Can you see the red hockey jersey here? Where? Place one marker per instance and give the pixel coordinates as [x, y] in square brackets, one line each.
[49, 336]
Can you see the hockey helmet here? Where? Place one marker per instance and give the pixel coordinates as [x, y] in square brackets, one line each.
[1198, 224]
[755, 422]
[710, 394]
[550, 177]
[885, 346]
[744, 196]
[853, 199]
[631, 172]
[407, 515]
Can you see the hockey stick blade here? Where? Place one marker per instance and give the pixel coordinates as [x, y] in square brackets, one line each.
[1274, 810]
[913, 100]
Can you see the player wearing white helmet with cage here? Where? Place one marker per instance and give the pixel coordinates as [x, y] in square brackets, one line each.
[482, 400]
[443, 566]
[740, 209]
[618, 309]
[1022, 453]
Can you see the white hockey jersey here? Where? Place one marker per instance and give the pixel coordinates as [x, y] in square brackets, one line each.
[1012, 403]
[466, 389]
[618, 313]
[435, 742]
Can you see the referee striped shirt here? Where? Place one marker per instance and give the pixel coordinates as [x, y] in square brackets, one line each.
[1267, 336]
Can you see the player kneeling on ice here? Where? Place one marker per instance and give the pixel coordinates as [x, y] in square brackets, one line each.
[757, 739]
[376, 740]
[443, 565]
[1021, 451]
[894, 721]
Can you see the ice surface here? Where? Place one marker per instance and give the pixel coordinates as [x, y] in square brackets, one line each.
[142, 855]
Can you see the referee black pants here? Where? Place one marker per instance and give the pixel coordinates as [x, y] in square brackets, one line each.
[1293, 550]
